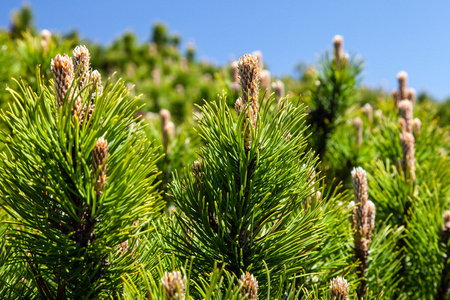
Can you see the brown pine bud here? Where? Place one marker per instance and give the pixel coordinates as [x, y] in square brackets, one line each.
[259, 56]
[170, 129]
[265, 81]
[235, 76]
[249, 79]
[318, 195]
[46, 37]
[167, 127]
[412, 95]
[234, 71]
[338, 42]
[402, 77]
[174, 285]
[395, 97]
[81, 65]
[364, 213]
[339, 289]
[417, 124]
[368, 110]
[96, 80]
[409, 160]
[402, 123]
[87, 115]
[379, 114]
[123, 247]
[172, 209]
[445, 234]
[156, 77]
[358, 124]
[168, 133]
[288, 137]
[278, 88]
[78, 106]
[99, 164]
[197, 171]
[370, 224]
[249, 286]
[165, 116]
[447, 218]
[62, 69]
[359, 181]
[363, 224]
[405, 110]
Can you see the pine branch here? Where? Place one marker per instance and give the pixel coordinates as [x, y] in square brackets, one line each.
[71, 219]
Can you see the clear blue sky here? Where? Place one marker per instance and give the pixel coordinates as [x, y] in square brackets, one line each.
[390, 35]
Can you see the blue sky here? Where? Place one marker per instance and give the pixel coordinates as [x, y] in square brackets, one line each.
[390, 35]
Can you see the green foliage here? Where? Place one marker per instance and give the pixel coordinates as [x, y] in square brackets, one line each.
[63, 232]
[10, 66]
[444, 113]
[36, 51]
[417, 207]
[384, 261]
[162, 39]
[180, 150]
[343, 153]
[244, 207]
[330, 97]
[262, 210]
[22, 21]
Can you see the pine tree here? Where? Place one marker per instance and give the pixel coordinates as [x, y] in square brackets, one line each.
[249, 202]
[409, 185]
[333, 93]
[77, 180]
